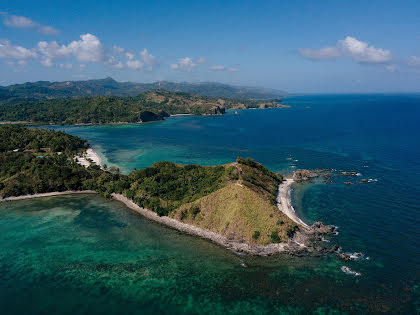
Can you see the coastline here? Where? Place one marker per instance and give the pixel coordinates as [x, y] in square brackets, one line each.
[257, 250]
[89, 156]
[49, 194]
[284, 204]
[301, 242]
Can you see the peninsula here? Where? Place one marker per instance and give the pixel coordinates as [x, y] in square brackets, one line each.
[234, 205]
[147, 107]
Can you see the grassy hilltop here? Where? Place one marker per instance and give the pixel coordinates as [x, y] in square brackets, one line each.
[236, 200]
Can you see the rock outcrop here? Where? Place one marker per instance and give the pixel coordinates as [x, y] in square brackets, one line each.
[302, 175]
[147, 116]
[217, 110]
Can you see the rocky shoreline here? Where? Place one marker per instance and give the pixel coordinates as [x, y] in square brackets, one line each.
[305, 240]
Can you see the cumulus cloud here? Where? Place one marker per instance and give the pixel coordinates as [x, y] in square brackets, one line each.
[129, 55]
[135, 65]
[16, 21]
[87, 49]
[7, 50]
[349, 47]
[146, 62]
[184, 64]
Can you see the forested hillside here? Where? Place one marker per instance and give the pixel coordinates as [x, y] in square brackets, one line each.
[149, 106]
[42, 90]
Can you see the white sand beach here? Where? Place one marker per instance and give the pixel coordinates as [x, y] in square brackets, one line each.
[89, 155]
[50, 194]
[283, 202]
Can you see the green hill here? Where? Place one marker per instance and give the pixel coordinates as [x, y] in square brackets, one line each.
[42, 90]
[149, 106]
[236, 200]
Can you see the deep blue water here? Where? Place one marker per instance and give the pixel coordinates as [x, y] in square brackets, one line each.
[376, 135]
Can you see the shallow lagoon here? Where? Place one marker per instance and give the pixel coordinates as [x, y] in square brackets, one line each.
[84, 253]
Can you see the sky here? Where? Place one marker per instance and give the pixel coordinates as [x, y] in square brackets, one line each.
[298, 46]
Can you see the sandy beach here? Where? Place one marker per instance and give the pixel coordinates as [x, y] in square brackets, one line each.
[50, 194]
[283, 202]
[89, 155]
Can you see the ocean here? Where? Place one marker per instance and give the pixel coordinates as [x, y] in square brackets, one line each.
[86, 254]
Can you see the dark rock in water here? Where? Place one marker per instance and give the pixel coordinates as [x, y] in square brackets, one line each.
[147, 116]
[217, 110]
[301, 175]
[333, 249]
[343, 257]
[320, 228]
[349, 173]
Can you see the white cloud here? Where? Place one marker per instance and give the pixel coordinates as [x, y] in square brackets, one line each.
[48, 30]
[8, 50]
[218, 68]
[16, 21]
[118, 49]
[184, 64]
[118, 65]
[391, 68]
[147, 58]
[88, 49]
[414, 61]
[129, 55]
[352, 48]
[135, 65]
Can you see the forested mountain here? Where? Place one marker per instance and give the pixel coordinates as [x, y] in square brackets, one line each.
[43, 90]
[146, 107]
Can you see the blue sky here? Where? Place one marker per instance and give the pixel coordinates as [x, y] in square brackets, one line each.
[297, 46]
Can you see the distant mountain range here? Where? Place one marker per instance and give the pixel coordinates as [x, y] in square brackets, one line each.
[41, 90]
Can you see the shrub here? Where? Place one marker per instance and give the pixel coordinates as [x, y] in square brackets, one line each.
[256, 235]
[275, 238]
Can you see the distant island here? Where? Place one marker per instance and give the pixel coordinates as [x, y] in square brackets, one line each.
[147, 107]
[45, 90]
[241, 205]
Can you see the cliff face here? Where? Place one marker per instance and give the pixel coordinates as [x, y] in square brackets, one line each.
[147, 116]
[217, 110]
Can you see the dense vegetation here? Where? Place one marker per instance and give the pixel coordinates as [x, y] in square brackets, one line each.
[150, 106]
[39, 140]
[166, 186]
[43, 90]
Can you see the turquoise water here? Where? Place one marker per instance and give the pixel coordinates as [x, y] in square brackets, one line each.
[86, 254]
